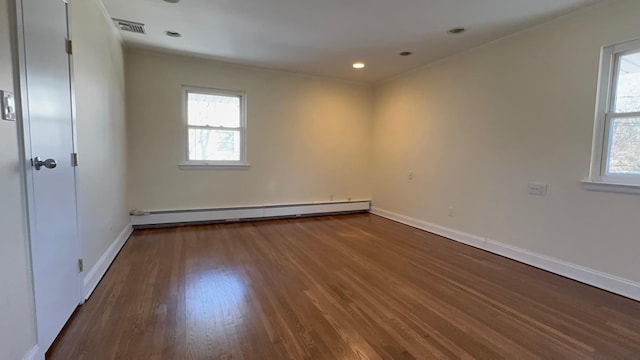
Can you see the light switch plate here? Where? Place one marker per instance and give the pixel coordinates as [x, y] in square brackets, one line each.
[8, 104]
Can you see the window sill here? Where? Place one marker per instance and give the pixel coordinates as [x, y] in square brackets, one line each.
[611, 187]
[205, 166]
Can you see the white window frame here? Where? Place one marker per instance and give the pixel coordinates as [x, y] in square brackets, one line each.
[599, 180]
[187, 164]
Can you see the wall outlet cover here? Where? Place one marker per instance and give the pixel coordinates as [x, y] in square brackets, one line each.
[8, 104]
[537, 189]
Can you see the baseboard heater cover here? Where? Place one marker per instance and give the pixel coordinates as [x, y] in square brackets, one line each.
[247, 213]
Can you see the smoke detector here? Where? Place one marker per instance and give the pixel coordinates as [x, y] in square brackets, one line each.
[131, 26]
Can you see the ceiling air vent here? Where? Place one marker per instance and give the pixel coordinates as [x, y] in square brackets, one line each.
[126, 25]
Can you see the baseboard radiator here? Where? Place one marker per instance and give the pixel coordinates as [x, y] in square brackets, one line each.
[185, 217]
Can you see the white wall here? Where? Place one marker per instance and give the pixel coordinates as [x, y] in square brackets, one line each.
[477, 127]
[17, 323]
[100, 111]
[308, 137]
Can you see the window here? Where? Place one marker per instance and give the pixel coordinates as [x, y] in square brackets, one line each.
[215, 123]
[616, 150]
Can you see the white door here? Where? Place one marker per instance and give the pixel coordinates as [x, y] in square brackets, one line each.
[49, 135]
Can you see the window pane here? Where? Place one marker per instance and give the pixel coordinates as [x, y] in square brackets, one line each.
[213, 110]
[628, 87]
[214, 145]
[624, 157]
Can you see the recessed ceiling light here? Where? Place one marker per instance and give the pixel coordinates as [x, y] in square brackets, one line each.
[172, 1]
[458, 30]
[173, 34]
[358, 65]
[406, 53]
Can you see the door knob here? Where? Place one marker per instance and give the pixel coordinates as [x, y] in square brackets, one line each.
[49, 163]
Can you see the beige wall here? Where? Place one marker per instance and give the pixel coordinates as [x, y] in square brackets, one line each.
[476, 128]
[308, 137]
[17, 323]
[100, 111]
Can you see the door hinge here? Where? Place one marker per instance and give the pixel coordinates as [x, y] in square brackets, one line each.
[69, 47]
[74, 159]
[80, 265]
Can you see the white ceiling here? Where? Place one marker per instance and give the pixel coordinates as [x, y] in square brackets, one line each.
[324, 37]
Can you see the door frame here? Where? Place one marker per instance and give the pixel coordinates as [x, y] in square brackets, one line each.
[24, 139]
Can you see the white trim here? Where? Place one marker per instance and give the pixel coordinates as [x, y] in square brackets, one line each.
[611, 187]
[34, 354]
[98, 270]
[187, 164]
[24, 129]
[250, 212]
[74, 134]
[627, 47]
[612, 283]
[601, 146]
[602, 101]
[203, 165]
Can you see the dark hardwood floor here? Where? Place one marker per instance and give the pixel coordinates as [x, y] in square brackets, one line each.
[338, 287]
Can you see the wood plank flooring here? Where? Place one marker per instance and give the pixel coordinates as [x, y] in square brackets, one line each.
[337, 287]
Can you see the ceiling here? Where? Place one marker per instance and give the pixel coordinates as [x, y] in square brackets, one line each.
[324, 37]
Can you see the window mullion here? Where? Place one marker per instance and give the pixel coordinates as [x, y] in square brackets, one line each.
[624, 115]
[205, 127]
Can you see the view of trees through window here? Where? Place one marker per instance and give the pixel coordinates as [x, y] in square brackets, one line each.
[214, 124]
[624, 156]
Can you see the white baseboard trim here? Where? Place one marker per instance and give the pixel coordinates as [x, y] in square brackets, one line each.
[98, 270]
[34, 354]
[612, 283]
[251, 212]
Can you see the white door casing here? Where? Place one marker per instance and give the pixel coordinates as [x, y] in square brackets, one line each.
[46, 102]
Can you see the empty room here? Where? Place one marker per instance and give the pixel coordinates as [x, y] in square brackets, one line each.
[282, 179]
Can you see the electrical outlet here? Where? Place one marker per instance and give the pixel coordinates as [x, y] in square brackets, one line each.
[331, 197]
[8, 105]
[410, 175]
[538, 189]
[450, 211]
